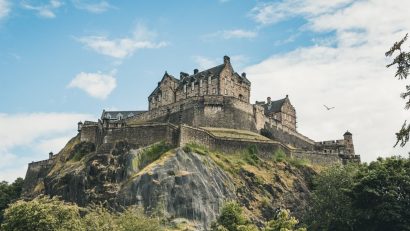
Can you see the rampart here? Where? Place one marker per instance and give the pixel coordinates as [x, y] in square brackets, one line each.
[317, 157]
[287, 136]
[35, 174]
[143, 135]
[200, 136]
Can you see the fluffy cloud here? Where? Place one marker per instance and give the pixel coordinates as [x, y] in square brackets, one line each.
[142, 38]
[272, 12]
[45, 11]
[97, 85]
[92, 5]
[42, 132]
[231, 34]
[348, 73]
[4, 8]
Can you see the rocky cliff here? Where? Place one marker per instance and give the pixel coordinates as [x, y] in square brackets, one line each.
[189, 182]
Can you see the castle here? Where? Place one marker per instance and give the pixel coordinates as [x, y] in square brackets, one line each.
[212, 108]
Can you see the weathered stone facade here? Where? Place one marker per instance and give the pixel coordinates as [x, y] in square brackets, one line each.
[217, 97]
[219, 80]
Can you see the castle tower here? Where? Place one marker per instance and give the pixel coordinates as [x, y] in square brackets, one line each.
[348, 138]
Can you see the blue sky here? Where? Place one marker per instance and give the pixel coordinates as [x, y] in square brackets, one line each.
[62, 61]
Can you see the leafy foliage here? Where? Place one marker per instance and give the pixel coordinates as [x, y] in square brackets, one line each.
[283, 222]
[402, 60]
[362, 197]
[251, 155]
[330, 206]
[82, 149]
[232, 219]
[44, 213]
[9, 193]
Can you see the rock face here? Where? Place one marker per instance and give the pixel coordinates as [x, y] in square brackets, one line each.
[174, 183]
[177, 184]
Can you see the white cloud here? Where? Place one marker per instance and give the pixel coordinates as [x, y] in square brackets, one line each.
[4, 8]
[41, 132]
[46, 10]
[92, 6]
[272, 12]
[348, 73]
[205, 62]
[232, 34]
[97, 85]
[142, 38]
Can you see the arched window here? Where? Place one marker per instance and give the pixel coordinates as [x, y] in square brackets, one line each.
[108, 116]
[120, 116]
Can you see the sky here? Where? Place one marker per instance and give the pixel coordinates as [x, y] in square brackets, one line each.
[64, 61]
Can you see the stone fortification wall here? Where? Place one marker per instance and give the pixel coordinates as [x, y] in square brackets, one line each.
[317, 157]
[143, 135]
[204, 111]
[190, 134]
[35, 174]
[288, 136]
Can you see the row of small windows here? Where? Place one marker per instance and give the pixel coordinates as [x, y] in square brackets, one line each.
[118, 117]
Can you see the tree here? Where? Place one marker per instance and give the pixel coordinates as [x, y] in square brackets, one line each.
[42, 213]
[9, 193]
[283, 222]
[381, 195]
[330, 207]
[402, 60]
[232, 219]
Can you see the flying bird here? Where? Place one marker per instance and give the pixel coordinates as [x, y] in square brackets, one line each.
[328, 108]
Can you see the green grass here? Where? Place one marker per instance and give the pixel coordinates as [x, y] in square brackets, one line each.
[197, 148]
[235, 134]
[82, 149]
[151, 154]
[280, 156]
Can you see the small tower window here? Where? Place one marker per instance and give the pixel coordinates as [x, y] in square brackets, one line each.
[214, 91]
[192, 86]
[226, 92]
[200, 83]
[209, 80]
[185, 88]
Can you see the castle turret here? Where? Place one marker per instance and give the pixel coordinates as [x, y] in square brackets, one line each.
[50, 155]
[80, 126]
[348, 138]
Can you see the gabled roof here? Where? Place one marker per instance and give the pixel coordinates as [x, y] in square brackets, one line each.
[211, 71]
[274, 106]
[165, 76]
[116, 114]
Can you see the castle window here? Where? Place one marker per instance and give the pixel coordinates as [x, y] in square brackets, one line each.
[226, 91]
[108, 116]
[214, 91]
[200, 83]
[225, 81]
[209, 80]
[185, 88]
[192, 86]
[119, 116]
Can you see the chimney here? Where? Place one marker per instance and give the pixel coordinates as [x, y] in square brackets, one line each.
[268, 100]
[243, 75]
[182, 75]
[227, 59]
[50, 155]
[195, 71]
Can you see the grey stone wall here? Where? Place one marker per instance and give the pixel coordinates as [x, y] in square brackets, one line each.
[190, 134]
[143, 135]
[290, 137]
[35, 174]
[317, 158]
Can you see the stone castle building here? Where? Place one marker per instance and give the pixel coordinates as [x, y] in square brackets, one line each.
[187, 109]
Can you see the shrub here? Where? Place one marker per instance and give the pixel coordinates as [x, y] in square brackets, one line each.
[42, 213]
[251, 155]
[279, 156]
[81, 149]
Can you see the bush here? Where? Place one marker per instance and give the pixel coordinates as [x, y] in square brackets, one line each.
[251, 155]
[42, 213]
[279, 156]
[232, 219]
[283, 222]
[81, 149]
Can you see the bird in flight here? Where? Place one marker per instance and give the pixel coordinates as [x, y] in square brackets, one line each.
[328, 108]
